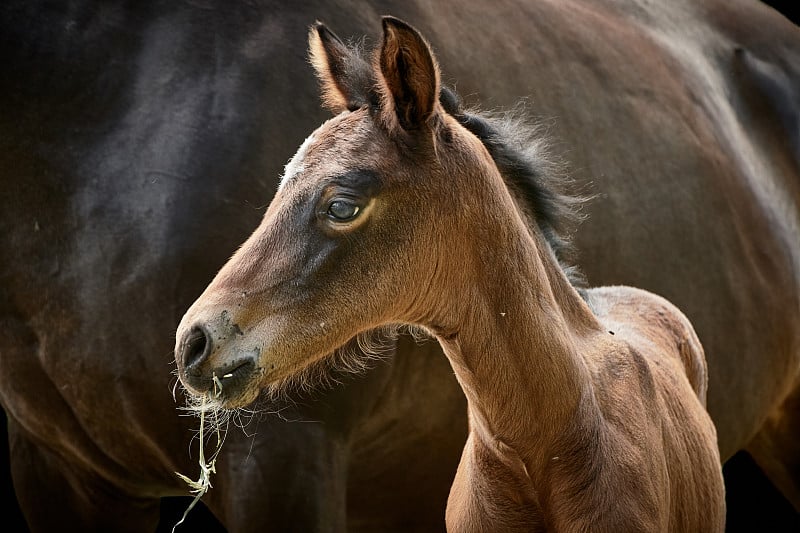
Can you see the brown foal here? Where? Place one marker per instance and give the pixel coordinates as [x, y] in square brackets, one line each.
[586, 408]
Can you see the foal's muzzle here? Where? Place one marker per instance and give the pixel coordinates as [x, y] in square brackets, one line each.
[203, 369]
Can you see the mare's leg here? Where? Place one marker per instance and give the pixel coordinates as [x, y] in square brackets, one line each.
[285, 476]
[404, 456]
[57, 496]
[288, 469]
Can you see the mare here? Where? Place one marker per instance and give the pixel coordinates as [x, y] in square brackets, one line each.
[140, 141]
[586, 412]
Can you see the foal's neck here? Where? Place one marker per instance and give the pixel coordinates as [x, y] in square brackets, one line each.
[518, 350]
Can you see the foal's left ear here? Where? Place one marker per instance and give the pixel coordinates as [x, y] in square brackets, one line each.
[344, 76]
[409, 76]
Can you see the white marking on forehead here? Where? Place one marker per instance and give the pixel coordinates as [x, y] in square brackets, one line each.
[296, 163]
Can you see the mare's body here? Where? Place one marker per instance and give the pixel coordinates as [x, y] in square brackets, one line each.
[134, 140]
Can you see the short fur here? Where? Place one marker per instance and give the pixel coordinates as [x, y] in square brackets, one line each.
[585, 414]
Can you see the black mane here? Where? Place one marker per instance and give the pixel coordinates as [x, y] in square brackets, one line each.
[537, 182]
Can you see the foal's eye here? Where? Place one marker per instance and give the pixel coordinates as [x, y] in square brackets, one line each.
[342, 210]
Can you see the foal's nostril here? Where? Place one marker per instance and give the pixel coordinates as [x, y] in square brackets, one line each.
[196, 347]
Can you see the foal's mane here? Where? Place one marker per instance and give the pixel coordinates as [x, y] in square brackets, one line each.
[537, 182]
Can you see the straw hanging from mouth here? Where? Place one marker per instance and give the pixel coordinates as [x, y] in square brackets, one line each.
[207, 468]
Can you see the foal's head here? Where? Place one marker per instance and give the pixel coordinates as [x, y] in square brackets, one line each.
[374, 223]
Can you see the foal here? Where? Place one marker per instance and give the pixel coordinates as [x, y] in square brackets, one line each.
[586, 412]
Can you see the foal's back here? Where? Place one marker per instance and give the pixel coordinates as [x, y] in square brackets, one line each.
[652, 388]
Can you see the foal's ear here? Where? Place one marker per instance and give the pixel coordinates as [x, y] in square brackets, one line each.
[343, 74]
[409, 76]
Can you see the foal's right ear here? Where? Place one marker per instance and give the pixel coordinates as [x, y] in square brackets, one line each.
[409, 76]
[343, 74]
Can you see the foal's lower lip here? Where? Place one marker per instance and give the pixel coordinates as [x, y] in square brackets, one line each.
[236, 370]
[229, 380]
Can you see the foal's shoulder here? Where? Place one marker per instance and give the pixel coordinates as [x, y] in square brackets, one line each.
[653, 326]
[629, 304]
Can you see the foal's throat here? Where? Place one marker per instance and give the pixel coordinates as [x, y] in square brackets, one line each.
[518, 353]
